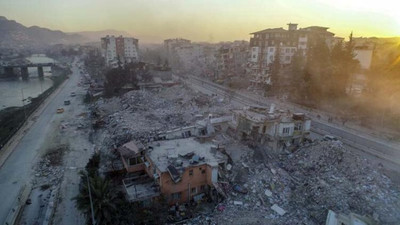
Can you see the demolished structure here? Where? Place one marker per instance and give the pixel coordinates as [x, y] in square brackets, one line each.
[277, 129]
[296, 187]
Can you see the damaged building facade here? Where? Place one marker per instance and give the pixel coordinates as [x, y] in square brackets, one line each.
[266, 45]
[180, 169]
[277, 129]
[231, 59]
[123, 49]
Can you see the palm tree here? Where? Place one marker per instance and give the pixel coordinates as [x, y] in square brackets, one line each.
[103, 200]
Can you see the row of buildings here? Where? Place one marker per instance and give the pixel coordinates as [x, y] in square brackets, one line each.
[254, 58]
[227, 59]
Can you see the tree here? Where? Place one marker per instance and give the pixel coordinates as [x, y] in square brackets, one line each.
[117, 78]
[317, 70]
[297, 76]
[343, 65]
[274, 71]
[104, 202]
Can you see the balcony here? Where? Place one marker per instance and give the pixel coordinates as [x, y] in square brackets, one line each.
[140, 188]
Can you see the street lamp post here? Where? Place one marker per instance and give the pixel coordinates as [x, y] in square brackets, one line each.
[91, 202]
[23, 102]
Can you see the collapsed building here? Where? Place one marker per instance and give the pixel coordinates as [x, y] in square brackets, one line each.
[277, 129]
[181, 169]
[202, 128]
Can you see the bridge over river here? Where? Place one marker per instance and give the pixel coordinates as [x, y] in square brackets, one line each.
[9, 70]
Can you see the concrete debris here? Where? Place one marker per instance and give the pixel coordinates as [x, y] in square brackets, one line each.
[47, 173]
[141, 115]
[278, 209]
[301, 185]
[268, 193]
[237, 203]
[306, 184]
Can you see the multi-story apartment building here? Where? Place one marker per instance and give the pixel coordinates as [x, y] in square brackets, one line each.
[266, 45]
[124, 49]
[232, 58]
[171, 45]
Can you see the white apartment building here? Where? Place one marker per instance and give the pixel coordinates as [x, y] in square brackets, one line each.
[120, 48]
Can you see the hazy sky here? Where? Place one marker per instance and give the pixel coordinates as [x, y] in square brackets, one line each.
[206, 20]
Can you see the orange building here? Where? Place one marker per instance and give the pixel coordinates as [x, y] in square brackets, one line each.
[180, 169]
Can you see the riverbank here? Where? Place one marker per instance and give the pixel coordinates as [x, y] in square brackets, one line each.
[13, 118]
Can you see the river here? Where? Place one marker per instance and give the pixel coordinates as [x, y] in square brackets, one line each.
[13, 91]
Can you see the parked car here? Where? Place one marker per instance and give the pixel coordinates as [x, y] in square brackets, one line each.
[330, 138]
[67, 102]
[60, 110]
[73, 94]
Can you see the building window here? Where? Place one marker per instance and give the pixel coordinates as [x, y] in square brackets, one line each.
[264, 129]
[134, 161]
[287, 50]
[176, 196]
[286, 130]
[271, 49]
[190, 172]
[298, 126]
[194, 191]
[202, 188]
[287, 58]
[203, 171]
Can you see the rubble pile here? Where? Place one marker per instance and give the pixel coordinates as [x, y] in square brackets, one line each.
[49, 171]
[141, 114]
[301, 187]
[331, 177]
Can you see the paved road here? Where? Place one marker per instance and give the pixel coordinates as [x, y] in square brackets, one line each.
[17, 170]
[355, 139]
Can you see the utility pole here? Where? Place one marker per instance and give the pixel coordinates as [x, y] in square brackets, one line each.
[23, 102]
[41, 86]
[91, 202]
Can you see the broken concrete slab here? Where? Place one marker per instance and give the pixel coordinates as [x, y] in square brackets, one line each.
[268, 193]
[278, 209]
[237, 202]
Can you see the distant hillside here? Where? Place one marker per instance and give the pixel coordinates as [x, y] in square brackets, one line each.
[16, 35]
[94, 36]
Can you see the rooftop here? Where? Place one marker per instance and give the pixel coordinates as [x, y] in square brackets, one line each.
[260, 114]
[130, 149]
[183, 153]
[270, 30]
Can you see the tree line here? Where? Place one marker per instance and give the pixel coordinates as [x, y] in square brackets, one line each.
[319, 74]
